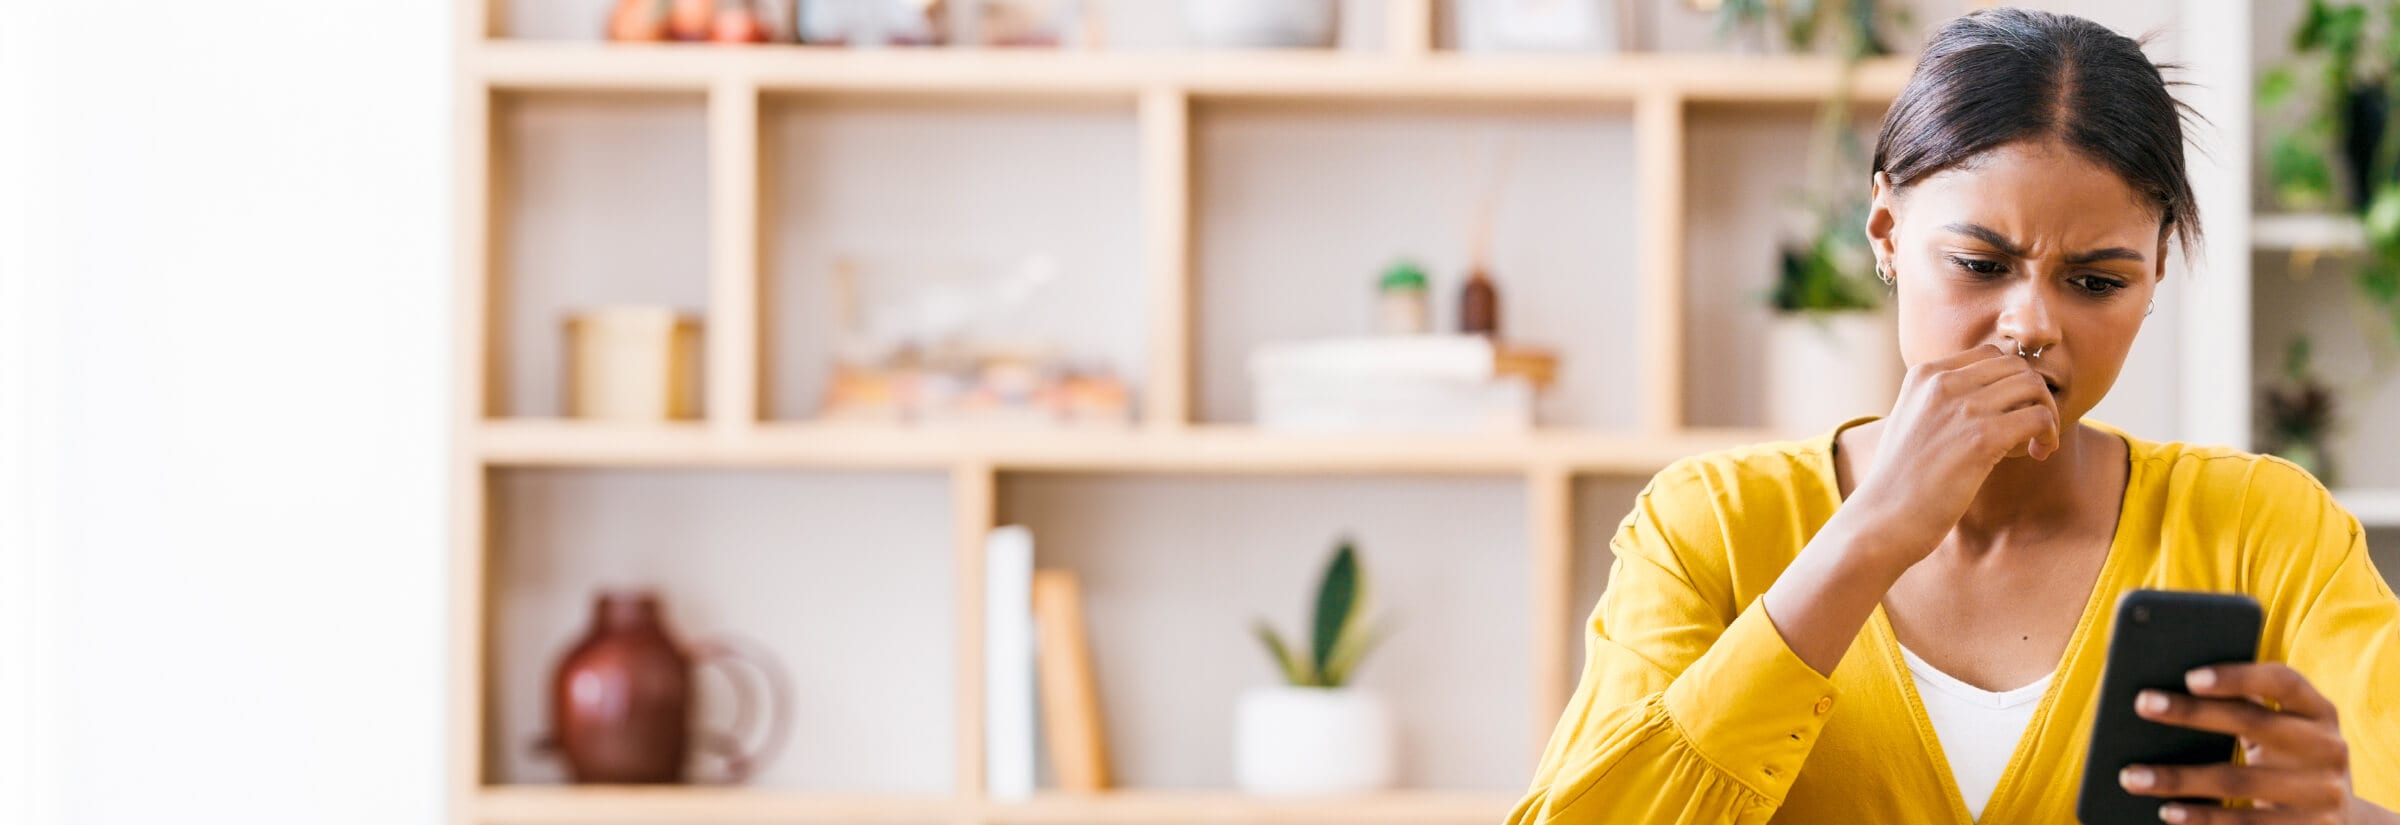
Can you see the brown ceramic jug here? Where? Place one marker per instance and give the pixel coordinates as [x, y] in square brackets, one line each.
[622, 701]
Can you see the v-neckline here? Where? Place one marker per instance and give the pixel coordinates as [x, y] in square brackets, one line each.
[2002, 805]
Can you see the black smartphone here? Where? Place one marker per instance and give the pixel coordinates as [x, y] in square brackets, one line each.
[2159, 635]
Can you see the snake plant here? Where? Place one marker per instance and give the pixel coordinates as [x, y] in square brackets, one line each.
[1340, 635]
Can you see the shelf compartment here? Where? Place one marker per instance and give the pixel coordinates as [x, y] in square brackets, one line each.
[700, 805]
[1170, 625]
[2349, 352]
[553, 442]
[1279, 211]
[600, 199]
[840, 576]
[933, 205]
[1226, 74]
[1746, 163]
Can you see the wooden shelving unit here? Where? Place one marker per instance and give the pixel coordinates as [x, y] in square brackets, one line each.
[1162, 89]
[618, 805]
[1397, 808]
[1198, 449]
[2304, 237]
[626, 805]
[1231, 75]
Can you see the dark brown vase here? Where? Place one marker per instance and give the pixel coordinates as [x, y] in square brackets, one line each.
[621, 702]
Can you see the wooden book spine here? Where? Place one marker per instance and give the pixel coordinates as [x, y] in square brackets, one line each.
[1069, 686]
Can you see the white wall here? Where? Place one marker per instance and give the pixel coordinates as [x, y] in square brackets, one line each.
[224, 283]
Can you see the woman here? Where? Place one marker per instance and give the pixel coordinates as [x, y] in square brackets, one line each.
[1905, 620]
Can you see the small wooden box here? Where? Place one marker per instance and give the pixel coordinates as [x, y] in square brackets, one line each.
[633, 363]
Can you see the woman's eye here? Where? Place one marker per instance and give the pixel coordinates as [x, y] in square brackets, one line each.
[2095, 285]
[1978, 266]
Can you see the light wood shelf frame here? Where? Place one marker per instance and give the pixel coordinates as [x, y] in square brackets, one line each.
[1163, 91]
[632, 805]
[1429, 76]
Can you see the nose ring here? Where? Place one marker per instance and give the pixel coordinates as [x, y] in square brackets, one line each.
[2036, 353]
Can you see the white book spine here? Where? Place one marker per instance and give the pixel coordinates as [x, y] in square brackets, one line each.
[1008, 664]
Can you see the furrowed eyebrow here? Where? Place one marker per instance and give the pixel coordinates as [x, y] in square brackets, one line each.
[1986, 235]
[2114, 253]
[2011, 249]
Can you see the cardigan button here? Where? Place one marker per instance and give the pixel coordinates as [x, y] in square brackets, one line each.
[1824, 704]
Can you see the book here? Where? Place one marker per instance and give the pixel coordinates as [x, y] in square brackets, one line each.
[1398, 384]
[1505, 405]
[1421, 357]
[1008, 695]
[1070, 711]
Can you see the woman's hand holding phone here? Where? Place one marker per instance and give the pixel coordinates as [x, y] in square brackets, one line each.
[2297, 764]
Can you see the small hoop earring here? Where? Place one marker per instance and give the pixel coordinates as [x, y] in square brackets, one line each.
[1884, 273]
[2150, 309]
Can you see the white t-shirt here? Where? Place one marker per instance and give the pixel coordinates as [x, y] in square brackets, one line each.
[1978, 728]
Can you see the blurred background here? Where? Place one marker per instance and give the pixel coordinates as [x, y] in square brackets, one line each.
[981, 411]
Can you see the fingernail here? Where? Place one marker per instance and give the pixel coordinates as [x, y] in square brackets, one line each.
[2171, 813]
[2135, 778]
[2200, 678]
[2151, 701]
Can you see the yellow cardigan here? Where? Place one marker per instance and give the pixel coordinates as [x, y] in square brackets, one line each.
[1692, 709]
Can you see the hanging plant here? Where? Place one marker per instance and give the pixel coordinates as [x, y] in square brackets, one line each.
[1828, 268]
[2342, 72]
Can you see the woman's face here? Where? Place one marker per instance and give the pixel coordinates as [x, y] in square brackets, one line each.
[2030, 246]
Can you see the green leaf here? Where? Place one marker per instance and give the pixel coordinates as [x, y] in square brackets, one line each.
[1338, 602]
[2381, 282]
[1733, 14]
[2311, 32]
[2275, 85]
[1295, 672]
[2382, 222]
[1357, 640]
[2301, 175]
[1800, 25]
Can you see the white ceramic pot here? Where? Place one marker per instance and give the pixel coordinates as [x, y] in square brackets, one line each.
[1252, 24]
[1824, 368]
[1310, 741]
[1552, 25]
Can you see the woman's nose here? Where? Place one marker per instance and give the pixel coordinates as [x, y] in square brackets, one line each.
[2025, 317]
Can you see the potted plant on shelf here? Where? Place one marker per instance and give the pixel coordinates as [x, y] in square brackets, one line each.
[1831, 354]
[2300, 415]
[1747, 23]
[1316, 733]
[2341, 77]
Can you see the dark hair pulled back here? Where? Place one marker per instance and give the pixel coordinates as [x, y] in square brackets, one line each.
[1998, 76]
